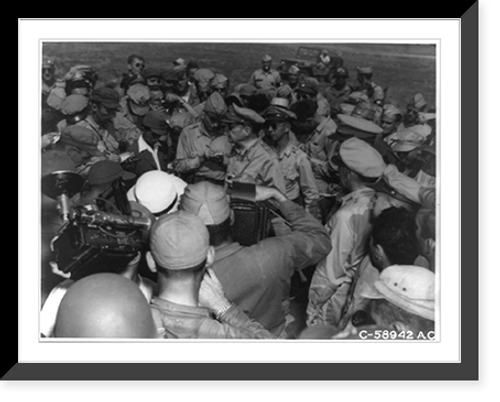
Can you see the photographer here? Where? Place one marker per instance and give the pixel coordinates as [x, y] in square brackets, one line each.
[257, 278]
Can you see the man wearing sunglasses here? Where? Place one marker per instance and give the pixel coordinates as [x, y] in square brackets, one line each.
[252, 160]
[136, 65]
[299, 178]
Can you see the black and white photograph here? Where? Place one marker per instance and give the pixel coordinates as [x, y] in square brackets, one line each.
[283, 195]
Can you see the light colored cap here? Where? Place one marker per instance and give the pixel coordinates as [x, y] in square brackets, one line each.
[364, 70]
[158, 191]
[179, 240]
[215, 104]
[281, 102]
[284, 91]
[357, 126]
[408, 287]
[218, 80]
[402, 184]
[418, 102]
[407, 141]
[139, 95]
[74, 103]
[362, 158]
[243, 115]
[203, 76]
[358, 97]
[391, 111]
[267, 58]
[294, 69]
[206, 200]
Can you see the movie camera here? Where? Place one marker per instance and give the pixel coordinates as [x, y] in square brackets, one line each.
[92, 240]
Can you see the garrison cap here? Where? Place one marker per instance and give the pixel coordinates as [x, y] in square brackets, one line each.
[218, 80]
[215, 104]
[407, 140]
[267, 58]
[284, 91]
[206, 200]
[391, 112]
[365, 110]
[294, 69]
[418, 102]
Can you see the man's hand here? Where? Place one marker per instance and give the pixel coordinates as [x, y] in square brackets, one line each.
[211, 294]
[263, 193]
[173, 98]
[114, 158]
[50, 139]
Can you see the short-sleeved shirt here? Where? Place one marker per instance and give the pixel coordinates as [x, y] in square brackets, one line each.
[265, 79]
[194, 141]
[298, 174]
[257, 164]
[337, 96]
[349, 230]
[320, 148]
[126, 126]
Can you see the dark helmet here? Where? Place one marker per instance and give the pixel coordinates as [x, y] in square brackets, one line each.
[104, 305]
[341, 72]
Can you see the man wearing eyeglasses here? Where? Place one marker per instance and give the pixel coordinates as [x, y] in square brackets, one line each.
[136, 65]
[203, 148]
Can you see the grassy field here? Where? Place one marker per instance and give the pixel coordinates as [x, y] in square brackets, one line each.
[404, 68]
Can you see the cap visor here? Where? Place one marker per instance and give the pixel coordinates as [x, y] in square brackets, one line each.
[139, 110]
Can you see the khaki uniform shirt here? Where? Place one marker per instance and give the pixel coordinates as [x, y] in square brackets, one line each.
[298, 174]
[349, 230]
[126, 128]
[262, 79]
[337, 96]
[258, 164]
[194, 141]
[319, 147]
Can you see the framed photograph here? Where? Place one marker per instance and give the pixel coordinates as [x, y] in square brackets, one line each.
[439, 58]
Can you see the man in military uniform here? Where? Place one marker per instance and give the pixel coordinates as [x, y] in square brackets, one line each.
[104, 103]
[375, 92]
[349, 228]
[316, 134]
[297, 171]
[265, 77]
[128, 121]
[339, 91]
[251, 160]
[202, 147]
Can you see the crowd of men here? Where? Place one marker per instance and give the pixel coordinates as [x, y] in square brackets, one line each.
[346, 177]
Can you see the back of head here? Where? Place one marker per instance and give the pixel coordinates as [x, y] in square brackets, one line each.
[179, 241]
[395, 230]
[158, 191]
[104, 305]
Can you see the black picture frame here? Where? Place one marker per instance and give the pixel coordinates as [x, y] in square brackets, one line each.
[466, 370]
